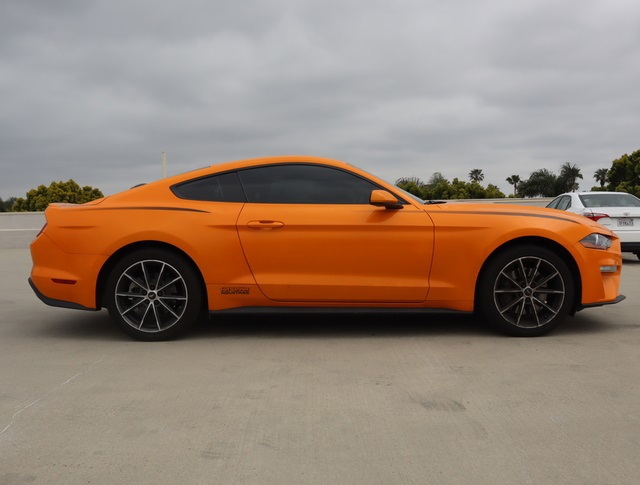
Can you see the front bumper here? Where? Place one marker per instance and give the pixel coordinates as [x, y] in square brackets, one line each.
[618, 299]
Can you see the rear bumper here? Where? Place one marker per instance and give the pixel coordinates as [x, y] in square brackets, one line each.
[58, 303]
[64, 279]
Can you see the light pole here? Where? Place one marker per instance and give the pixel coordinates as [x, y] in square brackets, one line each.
[164, 165]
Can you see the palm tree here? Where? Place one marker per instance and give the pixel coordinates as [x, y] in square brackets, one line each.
[602, 176]
[476, 175]
[514, 180]
[541, 183]
[569, 174]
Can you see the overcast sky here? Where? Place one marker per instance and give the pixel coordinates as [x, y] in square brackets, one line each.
[97, 90]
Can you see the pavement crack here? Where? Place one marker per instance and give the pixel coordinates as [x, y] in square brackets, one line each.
[55, 389]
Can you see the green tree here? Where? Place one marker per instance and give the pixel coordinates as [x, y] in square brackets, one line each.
[514, 180]
[624, 174]
[544, 183]
[436, 188]
[460, 190]
[569, 175]
[413, 185]
[476, 175]
[6, 205]
[601, 176]
[439, 187]
[541, 183]
[493, 192]
[38, 199]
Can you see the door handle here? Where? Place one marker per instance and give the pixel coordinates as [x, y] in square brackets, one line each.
[265, 225]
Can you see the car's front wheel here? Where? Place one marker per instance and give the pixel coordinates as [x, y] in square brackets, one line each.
[526, 291]
[153, 294]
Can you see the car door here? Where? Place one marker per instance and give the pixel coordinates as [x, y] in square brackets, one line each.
[309, 234]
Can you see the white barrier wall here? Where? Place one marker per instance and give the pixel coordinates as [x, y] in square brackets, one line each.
[17, 229]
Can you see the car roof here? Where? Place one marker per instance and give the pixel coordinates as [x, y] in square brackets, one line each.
[592, 192]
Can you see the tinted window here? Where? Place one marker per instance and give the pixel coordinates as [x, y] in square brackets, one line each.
[218, 188]
[304, 184]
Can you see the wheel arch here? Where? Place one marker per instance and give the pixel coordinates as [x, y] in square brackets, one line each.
[549, 244]
[128, 249]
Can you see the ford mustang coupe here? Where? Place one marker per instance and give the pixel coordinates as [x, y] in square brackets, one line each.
[305, 234]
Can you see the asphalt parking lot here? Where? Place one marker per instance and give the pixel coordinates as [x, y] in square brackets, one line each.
[342, 400]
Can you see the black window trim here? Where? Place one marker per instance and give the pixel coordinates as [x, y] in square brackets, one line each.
[280, 164]
[176, 186]
[314, 164]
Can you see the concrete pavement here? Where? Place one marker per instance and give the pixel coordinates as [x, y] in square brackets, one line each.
[291, 400]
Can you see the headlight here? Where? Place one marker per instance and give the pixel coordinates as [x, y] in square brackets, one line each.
[596, 241]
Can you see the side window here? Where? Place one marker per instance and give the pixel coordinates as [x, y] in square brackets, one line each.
[565, 203]
[554, 203]
[217, 188]
[304, 184]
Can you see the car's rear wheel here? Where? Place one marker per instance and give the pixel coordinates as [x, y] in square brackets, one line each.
[526, 291]
[154, 294]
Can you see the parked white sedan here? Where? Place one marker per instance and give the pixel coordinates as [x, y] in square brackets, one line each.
[617, 211]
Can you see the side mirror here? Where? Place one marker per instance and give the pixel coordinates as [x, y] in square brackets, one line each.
[382, 198]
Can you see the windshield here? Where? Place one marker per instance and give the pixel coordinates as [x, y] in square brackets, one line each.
[410, 195]
[404, 192]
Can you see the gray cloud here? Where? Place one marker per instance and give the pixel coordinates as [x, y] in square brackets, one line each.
[95, 91]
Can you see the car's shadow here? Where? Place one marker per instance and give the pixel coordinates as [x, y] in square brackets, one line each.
[357, 326]
[337, 326]
[98, 326]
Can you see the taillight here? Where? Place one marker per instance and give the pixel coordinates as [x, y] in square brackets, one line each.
[595, 216]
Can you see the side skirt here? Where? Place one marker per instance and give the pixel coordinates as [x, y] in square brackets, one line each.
[278, 310]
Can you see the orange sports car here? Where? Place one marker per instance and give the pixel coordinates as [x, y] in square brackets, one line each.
[305, 233]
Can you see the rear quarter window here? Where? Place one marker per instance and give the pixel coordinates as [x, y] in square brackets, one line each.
[225, 187]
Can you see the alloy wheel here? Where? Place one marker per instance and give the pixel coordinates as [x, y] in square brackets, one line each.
[151, 296]
[529, 292]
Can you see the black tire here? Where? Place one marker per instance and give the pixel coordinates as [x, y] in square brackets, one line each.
[154, 294]
[525, 291]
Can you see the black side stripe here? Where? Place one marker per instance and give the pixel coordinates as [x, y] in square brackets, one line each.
[142, 208]
[519, 214]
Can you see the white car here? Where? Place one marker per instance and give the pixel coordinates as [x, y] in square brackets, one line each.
[617, 211]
